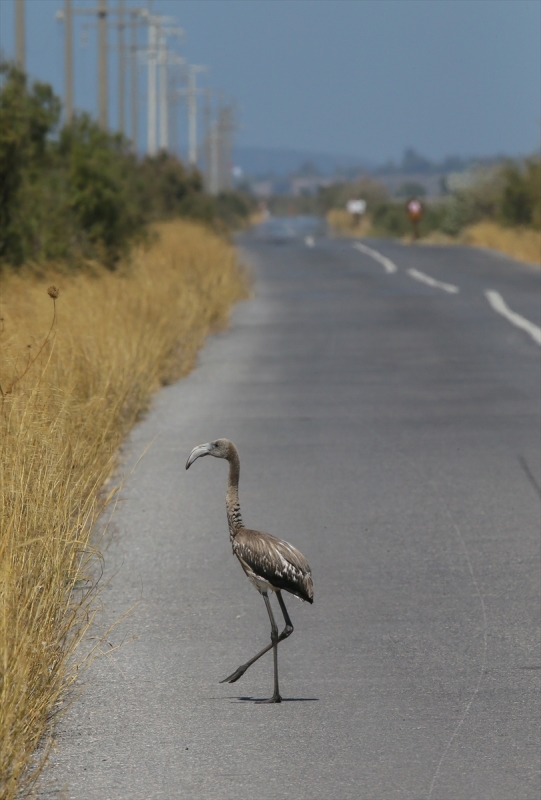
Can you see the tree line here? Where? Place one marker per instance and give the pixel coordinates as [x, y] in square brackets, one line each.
[70, 193]
[507, 192]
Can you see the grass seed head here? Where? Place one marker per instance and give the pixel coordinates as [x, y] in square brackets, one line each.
[53, 292]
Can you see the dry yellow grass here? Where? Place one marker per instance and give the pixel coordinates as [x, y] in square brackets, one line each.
[257, 217]
[342, 223]
[520, 243]
[116, 337]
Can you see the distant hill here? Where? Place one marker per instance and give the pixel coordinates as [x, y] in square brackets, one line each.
[278, 163]
[263, 162]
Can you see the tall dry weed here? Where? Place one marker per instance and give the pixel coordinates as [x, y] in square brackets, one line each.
[342, 223]
[523, 244]
[116, 337]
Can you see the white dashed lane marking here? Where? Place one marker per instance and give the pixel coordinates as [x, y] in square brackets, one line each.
[389, 265]
[494, 298]
[420, 276]
[500, 306]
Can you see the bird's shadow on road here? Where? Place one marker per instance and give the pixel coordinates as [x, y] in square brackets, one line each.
[527, 471]
[284, 699]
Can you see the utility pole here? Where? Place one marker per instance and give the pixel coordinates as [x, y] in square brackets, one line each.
[102, 64]
[121, 68]
[152, 106]
[68, 56]
[102, 12]
[156, 56]
[123, 22]
[168, 58]
[19, 34]
[66, 16]
[173, 120]
[133, 77]
[214, 186]
[192, 92]
[213, 144]
[164, 121]
[223, 128]
[221, 149]
[207, 122]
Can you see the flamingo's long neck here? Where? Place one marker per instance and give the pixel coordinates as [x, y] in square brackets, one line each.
[234, 518]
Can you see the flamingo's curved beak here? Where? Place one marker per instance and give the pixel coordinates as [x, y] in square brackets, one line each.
[197, 452]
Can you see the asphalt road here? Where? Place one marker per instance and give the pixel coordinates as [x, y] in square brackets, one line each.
[389, 429]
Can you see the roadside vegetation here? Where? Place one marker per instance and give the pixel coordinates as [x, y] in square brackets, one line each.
[76, 371]
[521, 243]
[500, 208]
[73, 193]
[112, 272]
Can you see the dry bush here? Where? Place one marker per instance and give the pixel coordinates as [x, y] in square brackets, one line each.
[523, 244]
[342, 222]
[258, 217]
[116, 337]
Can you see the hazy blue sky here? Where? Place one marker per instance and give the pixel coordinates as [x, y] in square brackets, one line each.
[359, 77]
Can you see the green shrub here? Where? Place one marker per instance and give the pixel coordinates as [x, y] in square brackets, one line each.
[232, 208]
[520, 202]
[27, 117]
[101, 184]
[166, 189]
[391, 219]
[509, 193]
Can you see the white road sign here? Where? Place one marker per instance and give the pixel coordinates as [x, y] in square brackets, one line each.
[356, 206]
